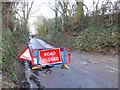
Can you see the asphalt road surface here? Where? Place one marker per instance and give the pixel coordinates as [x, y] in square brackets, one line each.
[85, 71]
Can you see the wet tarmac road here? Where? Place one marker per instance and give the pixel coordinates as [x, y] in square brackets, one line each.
[85, 71]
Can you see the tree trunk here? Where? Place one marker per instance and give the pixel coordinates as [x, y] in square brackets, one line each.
[80, 12]
[6, 18]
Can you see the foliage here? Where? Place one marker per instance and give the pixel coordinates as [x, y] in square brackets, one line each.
[11, 40]
[0, 53]
[91, 30]
[15, 17]
[22, 35]
[67, 23]
[0, 62]
[97, 38]
[80, 11]
[14, 76]
[9, 48]
[54, 34]
[42, 30]
[12, 43]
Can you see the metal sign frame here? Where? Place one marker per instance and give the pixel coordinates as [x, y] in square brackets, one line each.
[64, 53]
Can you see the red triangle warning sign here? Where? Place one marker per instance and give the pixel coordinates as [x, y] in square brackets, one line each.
[26, 55]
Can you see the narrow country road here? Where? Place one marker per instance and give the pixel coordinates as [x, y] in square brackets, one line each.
[86, 70]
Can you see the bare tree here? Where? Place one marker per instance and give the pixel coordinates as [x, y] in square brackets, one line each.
[23, 12]
[79, 11]
[7, 14]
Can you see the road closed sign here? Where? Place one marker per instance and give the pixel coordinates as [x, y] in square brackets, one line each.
[51, 56]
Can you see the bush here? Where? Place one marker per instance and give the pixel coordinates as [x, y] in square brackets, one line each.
[12, 43]
[97, 38]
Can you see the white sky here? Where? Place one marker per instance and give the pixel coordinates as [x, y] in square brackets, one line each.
[41, 8]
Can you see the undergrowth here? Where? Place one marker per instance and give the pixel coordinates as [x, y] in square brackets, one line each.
[12, 43]
[98, 39]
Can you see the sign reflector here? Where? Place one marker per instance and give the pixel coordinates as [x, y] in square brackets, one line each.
[26, 55]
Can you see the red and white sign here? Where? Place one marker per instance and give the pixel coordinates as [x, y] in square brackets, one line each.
[51, 56]
[25, 55]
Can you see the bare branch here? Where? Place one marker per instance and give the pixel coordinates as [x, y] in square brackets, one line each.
[30, 8]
